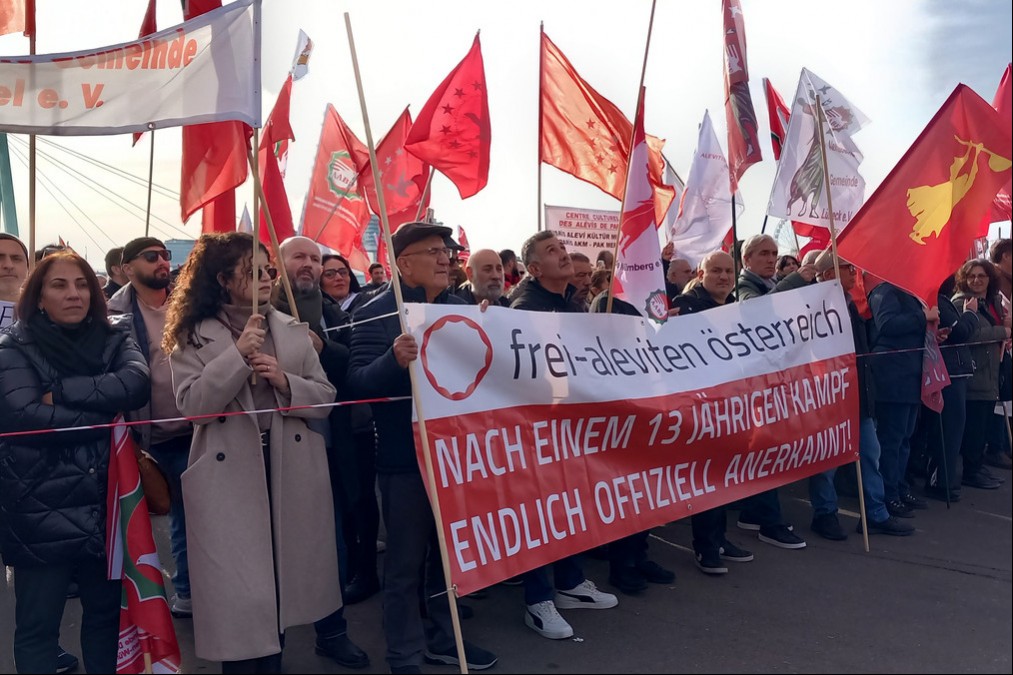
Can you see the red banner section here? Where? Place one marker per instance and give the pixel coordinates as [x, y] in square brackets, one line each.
[525, 486]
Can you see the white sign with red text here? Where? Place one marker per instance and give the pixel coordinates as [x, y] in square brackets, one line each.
[586, 231]
[204, 70]
[554, 433]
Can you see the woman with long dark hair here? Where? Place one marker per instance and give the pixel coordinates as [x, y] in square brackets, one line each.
[260, 519]
[62, 364]
[978, 292]
[339, 282]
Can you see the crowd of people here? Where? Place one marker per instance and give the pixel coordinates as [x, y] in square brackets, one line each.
[274, 517]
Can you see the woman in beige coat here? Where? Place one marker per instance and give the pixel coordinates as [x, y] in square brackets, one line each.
[260, 520]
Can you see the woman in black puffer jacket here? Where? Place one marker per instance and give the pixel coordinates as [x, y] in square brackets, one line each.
[62, 365]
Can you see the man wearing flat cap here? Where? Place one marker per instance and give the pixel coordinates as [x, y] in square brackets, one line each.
[380, 354]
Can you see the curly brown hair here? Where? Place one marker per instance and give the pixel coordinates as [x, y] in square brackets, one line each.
[993, 277]
[199, 294]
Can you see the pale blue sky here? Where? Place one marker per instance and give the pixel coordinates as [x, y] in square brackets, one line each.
[897, 61]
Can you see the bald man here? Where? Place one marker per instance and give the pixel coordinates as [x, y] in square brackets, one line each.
[485, 279]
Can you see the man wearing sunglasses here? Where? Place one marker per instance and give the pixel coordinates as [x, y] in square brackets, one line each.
[146, 265]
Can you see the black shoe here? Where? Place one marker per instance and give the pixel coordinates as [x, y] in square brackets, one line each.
[827, 526]
[655, 573]
[998, 460]
[980, 481]
[940, 494]
[360, 588]
[891, 526]
[73, 591]
[733, 553]
[343, 650]
[914, 502]
[710, 563]
[627, 579]
[899, 509]
[781, 536]
[66, 662]
[477, 658]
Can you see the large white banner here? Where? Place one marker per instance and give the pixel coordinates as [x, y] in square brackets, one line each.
[553, 433]
[584, 231]
[204, 70]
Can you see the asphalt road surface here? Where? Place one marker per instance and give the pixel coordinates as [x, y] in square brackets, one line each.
[939, 601]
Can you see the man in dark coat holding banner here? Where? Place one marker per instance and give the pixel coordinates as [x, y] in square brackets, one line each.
[380, 355]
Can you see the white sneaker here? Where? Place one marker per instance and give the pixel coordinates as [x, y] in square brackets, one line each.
[182, 607]
[543, 618]
[585, 595]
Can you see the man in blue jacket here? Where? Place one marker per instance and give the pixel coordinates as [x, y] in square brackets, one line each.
[380, 354]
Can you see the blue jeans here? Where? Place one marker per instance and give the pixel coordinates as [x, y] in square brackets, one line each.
[566, 572]
[895, 423]
[172, 457]
[872, 480]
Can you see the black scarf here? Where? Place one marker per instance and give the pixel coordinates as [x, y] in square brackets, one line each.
[71, 351]
[309, 303]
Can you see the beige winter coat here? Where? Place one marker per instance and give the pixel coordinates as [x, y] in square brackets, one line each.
[256, 567]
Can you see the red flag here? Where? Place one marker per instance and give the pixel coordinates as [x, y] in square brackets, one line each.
[403, 175]
[277, 130]
[145, 622]
[1003, 103]
[587, 136]
[462, 239]
[743, 139]
[778, 114]
[929, 209]
[214, 158]
[452, 133]
[13, 17]
[336, 213]
[148, 26]
[935, 377]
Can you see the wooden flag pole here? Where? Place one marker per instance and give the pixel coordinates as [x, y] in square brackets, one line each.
[275, 246]
[541, 40]
[837, 275]
[254, 275]
[395, 282]
[629, 157]
[425, 193]
[31, 164]
[151, 178]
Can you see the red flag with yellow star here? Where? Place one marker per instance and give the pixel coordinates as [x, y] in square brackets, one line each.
[917, 227]
[452, 133]
[587, 136]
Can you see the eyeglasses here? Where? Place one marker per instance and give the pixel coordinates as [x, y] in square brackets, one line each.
[977, 277]
[270, 272]
[153, 256]
[49, 250]
[434, 252]
[330, 274]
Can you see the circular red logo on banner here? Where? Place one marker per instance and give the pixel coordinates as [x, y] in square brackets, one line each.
[461, 355]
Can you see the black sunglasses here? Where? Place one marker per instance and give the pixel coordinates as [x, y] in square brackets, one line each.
[270, 272]
[153, 256]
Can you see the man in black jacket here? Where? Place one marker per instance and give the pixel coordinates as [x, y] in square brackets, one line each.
[381, 354]
[549, 290]
[762, 512]
[485, 279]
[822, 494]
[301, 261]
[710, 541]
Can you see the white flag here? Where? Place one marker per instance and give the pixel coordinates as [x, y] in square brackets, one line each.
[705, 214]
[245, 222]
[204, 70]
[639, 277]
[301, 62]
[799, 192]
